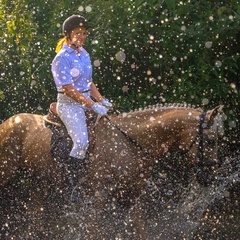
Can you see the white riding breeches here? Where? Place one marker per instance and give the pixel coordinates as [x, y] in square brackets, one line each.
[73, 116]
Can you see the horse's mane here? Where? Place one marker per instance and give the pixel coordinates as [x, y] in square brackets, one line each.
[164, 106]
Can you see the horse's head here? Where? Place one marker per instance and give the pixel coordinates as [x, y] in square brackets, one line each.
[204, 146]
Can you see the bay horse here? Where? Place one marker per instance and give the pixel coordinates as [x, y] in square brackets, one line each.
[126, 148]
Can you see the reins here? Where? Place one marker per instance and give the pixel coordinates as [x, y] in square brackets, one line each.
[127, 136]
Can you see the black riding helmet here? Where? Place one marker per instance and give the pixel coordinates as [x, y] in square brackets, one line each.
[72, 22]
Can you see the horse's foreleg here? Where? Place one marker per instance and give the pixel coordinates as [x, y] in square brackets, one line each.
[136, 222]
[99, 225]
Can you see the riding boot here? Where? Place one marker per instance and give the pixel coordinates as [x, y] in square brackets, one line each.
[75, 168]
[204, 175]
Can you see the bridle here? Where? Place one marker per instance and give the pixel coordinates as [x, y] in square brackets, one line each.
[199, 136]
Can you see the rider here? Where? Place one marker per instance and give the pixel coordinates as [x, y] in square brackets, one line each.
[72, 73]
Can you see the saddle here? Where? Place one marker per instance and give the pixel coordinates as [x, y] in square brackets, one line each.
[52, 116]
[61, 143]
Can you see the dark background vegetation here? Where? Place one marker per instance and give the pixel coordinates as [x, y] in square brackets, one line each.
[176, 51]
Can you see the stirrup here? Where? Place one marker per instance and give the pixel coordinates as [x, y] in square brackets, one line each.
[75, 196]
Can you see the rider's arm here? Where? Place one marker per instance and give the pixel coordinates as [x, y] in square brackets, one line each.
[95, 93]
[70, 91]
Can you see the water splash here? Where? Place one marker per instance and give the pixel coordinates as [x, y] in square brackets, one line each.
[172, 207]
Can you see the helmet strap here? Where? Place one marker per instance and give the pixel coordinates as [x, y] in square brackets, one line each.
[72, 43]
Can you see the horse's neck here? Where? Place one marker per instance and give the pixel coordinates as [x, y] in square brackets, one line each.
[156, 118]
[158, 130]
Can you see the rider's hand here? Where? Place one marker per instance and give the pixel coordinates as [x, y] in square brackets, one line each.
[99, 109]
[106, 103]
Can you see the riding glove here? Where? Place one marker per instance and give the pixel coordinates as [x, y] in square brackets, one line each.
[106, 103]
[99, 109]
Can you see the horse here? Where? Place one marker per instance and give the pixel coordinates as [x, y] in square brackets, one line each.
[126, 148]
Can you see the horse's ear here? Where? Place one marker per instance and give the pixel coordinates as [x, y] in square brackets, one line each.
[211, 114]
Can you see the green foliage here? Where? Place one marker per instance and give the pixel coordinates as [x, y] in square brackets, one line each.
[175, 51]
[21, 59]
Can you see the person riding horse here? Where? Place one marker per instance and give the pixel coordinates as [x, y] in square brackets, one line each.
[72, 73]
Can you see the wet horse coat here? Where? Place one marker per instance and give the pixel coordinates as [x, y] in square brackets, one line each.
[118, 167]
[24, 142]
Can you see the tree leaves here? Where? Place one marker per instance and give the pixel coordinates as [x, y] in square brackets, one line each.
[173, 51]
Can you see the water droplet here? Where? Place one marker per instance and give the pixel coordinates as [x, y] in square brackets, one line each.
[74, 72]
[88, 9]
[218, 63]
[205, 101]
[232, 124]
[33, 82]
[35, 60]
[149, 72]
[81, 9]
[151, 37]
[125, 88]
[120, 56]
[208, 44]
[183, 28]
[39, 108]
[94, 41]
[96, 63]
